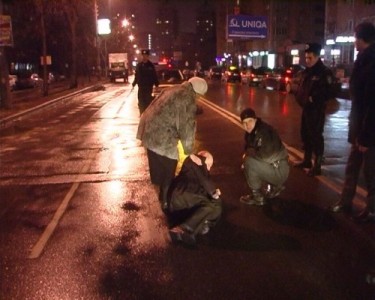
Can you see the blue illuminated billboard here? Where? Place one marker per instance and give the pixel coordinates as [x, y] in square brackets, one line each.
[247, 27]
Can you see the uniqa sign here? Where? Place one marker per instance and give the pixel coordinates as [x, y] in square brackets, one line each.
[247, 27]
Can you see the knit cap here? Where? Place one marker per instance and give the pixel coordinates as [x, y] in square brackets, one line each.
[199, 85]
[248, 113]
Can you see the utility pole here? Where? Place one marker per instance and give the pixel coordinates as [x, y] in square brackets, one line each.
[44, 49]
[5, 97]
[97, 46]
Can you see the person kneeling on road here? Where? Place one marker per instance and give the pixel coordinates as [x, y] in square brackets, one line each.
[265, 159]
[192, 189]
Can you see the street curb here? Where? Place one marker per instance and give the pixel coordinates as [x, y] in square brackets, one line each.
[14, 119]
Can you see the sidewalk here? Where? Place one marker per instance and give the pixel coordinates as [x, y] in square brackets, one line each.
[34, 99]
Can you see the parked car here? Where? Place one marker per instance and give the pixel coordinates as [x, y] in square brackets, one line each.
[38, 81]
[257, 75]
[167, 77]
[295, 75]
[232, 74]
[245, 75]
[199, 73]
[281, 79]
[25, 81]
[215, 73]
[187, 73]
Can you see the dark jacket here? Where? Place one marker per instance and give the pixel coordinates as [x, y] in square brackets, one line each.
[264, 143]
[193, 179]
[145, 75]
[362, 92]
[316, 86]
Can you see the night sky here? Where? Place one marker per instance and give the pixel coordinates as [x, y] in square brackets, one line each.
[146, 11]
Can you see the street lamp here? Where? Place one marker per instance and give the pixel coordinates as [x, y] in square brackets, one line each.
[104, 29]
[125, 23]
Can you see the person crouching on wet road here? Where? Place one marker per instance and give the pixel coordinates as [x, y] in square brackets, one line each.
[193, 189]
[265, 159]
[171, 117]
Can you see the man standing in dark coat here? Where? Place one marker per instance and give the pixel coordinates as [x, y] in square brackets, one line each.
[146, 78]
[314, 91]
[361, 125]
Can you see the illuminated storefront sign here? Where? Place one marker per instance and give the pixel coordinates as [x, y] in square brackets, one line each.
[247, 27]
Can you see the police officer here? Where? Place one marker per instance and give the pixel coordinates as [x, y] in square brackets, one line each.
[314, 91]
[146, 78]
[266, 159]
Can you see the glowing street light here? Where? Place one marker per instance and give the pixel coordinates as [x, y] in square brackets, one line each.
[104, 29]
[125, 23]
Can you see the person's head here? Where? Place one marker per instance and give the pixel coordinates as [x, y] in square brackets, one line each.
[364, 35]
[145, 55]
[248, 119]
[312, 54]
[199, 85]
[209, 160]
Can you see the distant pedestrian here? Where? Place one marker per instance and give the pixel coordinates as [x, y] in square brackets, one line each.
[361, 125]
[265, 159]
[314, 91]
[170, 118]
[194, 190]
[146, 78]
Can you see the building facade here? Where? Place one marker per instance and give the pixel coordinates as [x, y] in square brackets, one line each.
[341, 18]
[288, 25]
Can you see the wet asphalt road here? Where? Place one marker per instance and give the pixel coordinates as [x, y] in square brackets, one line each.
[80, 220]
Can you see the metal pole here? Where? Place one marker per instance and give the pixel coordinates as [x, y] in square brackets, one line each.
[96, 11]
[105, 58]
[5, 97]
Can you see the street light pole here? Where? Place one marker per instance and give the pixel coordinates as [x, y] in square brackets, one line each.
[96, 12]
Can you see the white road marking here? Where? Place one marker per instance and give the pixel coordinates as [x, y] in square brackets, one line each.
[39, 246]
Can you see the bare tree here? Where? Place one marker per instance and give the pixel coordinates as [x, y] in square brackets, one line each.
[41, 5]
[72, 10]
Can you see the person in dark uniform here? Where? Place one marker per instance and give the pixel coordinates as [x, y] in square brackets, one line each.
[146, 78]
[265, 159]
[314, 91]
[194, 190]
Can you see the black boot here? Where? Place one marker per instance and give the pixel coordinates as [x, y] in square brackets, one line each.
[317, 168]
[256, 198]
[306, 163]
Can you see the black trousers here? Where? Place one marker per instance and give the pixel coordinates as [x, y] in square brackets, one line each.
[312, 127]
[162, 168]
[258, 172]
[203, 208]
[356, 161]
[144, 97]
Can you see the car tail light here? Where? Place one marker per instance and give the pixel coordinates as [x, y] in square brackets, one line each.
[287, 79]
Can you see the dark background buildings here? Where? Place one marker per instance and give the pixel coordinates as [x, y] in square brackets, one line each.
[186, 32]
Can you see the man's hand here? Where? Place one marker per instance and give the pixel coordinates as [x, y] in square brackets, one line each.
[217, 194]
[362, 149]
[196, 159]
